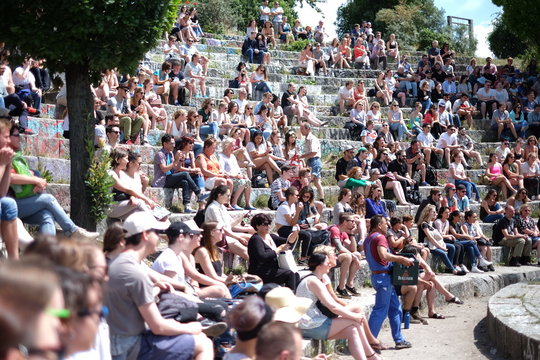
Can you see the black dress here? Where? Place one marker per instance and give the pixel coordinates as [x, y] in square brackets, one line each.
[263, 262]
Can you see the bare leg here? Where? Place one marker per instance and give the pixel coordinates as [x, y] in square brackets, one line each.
[345, 260]
[204, 348]
[237, 194]
[318, 186]
[10, 237]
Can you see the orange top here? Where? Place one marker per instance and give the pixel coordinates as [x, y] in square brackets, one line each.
[212, 164]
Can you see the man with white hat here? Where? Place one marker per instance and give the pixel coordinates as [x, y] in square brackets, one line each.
[132, 306]
[341, 165]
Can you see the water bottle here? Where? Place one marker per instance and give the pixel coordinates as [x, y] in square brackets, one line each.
[406, 319]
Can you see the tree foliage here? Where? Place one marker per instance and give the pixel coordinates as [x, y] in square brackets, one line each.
[521, 17]
[355, 11]
[82, 38]
[504, 42]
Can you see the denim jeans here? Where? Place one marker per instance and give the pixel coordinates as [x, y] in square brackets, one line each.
[445, 257]
[492, 218]
[44, 210]
[15, 106]
[472, 250]
[250, 53]
[400, 128]
[470, 186]
[386, 305]
[8, 209]
[197, 149]
[262, 86]
[209, 129]
[409, 86]
[456, 121]
[426, 105]
[184, 181]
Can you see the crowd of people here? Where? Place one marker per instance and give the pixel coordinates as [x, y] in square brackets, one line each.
[108, 304]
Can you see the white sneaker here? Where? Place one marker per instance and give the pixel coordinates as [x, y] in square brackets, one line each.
[85, 234]
[475, 269]
[464, 268]
[483, 262]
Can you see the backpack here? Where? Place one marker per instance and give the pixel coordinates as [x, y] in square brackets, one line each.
[259, 181]
[431, 179]
[413, 196]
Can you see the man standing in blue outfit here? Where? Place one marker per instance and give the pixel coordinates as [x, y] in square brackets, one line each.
[380, 261]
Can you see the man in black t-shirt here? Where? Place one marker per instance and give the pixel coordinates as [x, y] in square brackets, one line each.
[341, 165]
[415, 161]
[505, 233]
[399, 168]
[289, 101]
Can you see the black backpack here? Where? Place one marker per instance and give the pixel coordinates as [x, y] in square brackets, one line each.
[431, 179]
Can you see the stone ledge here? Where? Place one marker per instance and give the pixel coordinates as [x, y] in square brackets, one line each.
[514, 320]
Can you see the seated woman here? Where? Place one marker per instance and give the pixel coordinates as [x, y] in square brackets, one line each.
[511, 170]
[263, 250]
[127, 196]
[208, 119]
[388, 181]
[139, 107]
[241, 183]
[263, 47]
[235, 235]
[531, 173]
[348, 323]
[264, 122]
[177, 127]
[259, 79]
[490, 209]
[459, 177]
[374, 205]
[162, 83]
[519, 199]
[238, 123]
[193, 125]
[261, 155]
[397, 122]
[443, 226]
[154, 106]
[287, 216]
[208, 256]
[527, 226]
[494, 171]
[304, 109]
[268, 32]
[210, 168]
[343, 205]
[469, 245]
[472, 228]
[310, 218]
[307, 60]
[435, 241]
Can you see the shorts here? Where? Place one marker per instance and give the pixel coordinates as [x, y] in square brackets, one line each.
[319, 333]
[210, 183]
[315, 164]
[240, 182]
[8, 209]
[179, 347]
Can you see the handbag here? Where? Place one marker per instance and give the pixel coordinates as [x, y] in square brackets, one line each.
[286, 260]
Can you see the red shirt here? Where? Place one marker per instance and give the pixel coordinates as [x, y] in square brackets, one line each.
[376, 241]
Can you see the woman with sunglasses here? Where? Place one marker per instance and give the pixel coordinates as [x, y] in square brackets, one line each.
[519, 199]
[264, 248]
[259, 78]
[374, 204]
[531, 173]
[518, 119]
[511, 171]
[261, 155]
[531, 147]
[310, 218]
[490, 209]
[472, 228]
[208, 119]
[494, 171]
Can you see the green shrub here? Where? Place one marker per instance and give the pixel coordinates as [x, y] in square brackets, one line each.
[98, 183]
[297, 45]
[261, 202]
[45, 174]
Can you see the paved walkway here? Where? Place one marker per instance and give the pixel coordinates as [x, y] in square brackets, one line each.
[462, 335]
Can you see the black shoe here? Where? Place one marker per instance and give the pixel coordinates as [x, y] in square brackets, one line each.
[352, 291]
[525, 260]
[343, 293]
[403, 345]
[514, 262]
[491, 268]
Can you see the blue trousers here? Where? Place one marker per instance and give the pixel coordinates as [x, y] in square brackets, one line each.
[456, 121]
[44, 210]
[492, 218]
[8, 209]
[472, 250]
[470, 186]
[445, 257]
[426, 105]
[386, 305]
[209, 129]
[400, 128]
[250, 53]
[263, 86]
[184, 181]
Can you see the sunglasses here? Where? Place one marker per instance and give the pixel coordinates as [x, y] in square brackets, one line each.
[103, 312]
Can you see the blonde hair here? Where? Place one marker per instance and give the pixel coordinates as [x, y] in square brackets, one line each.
[425, 214]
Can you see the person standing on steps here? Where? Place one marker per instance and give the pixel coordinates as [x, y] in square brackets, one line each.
[506, 233]
[380, 260]
[312, 154]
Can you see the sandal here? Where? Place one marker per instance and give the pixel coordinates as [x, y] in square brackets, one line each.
[374, 356]
[437, 316]
[378, 347]
[455, 300]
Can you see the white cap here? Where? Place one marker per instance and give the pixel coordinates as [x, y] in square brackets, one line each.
[142, 221]
[287, 306]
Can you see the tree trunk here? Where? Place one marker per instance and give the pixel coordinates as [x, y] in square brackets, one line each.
[81, 129]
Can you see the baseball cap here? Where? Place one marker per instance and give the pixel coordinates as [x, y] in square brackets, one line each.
[442, 103]
[183, 227]
[362, 149]
[348, 147]
[449, 186]
[142, 221]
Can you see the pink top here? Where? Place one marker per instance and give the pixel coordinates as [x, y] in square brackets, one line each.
[495, 169]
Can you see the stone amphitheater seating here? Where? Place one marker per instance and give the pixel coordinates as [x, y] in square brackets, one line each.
[49, 150]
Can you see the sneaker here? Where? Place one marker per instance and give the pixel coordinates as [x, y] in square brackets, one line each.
[475, 269]
[187, 210]
[249, 207]
[352, 291]
[213, 329]
[464, 268]
[424, 183]
[484, 262]
[343, 293]
[238, 208]
[25, 131]
[403, 345]
[492, 268]
[32, 111]
[143, 140]
[203, 196]
[85, 234]
[514, 262]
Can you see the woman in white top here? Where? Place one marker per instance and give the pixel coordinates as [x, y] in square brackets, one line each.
[127, 197]
[264, 122]
[178, 127]
[306, 59]
[259, 79]
[501, 95]
[459, 177]
[374, 114]
[222, 119]
[261, 155]
[236, 235]
[304, 109]
[343, 204]
[397, 124]
[252, 27]
[347, 325]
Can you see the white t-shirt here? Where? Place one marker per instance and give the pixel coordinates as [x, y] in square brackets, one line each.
[193, 69]
[169, 261]
[529, 170]
[229, 164]
[482, 93]
[371, 136]
[446, 140]
[459, 169]
[425, 140]
[218, 213]
[282, 210]
[260, 150]
[241, 105]
[502, 153]
[266, 9]
[344, 92]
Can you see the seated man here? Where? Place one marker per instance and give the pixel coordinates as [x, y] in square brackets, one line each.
[130, 298]
[467, 146]
[195, 74]
[415, 161]
[427, 141]
[278, 187]
[505, 233]
[279, 340]
[11, 101]
[25, 80]
[347, 254]
[250, 48]
[36, 207]
[130, 123]
[168, 173]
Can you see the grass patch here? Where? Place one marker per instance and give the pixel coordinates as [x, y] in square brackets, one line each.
[261, 202]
